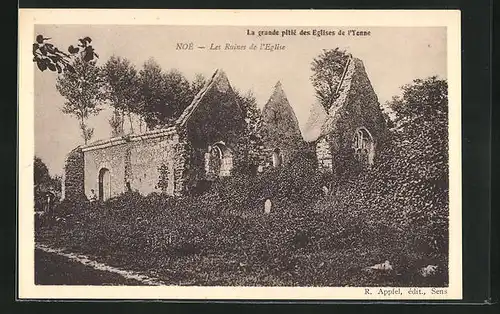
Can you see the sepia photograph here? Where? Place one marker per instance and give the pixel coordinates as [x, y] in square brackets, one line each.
[240, 156]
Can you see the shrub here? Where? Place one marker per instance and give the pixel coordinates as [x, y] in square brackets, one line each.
[294, 186]
[397, 211]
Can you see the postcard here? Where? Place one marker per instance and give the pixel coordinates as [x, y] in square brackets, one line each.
[239, 154]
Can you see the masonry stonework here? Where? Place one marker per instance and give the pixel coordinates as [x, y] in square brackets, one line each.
[324, 154]
[133, 163]
[209, 136]
[112, 159]
[74, 171]
[355, 108]
[280, 130]
[173, 156]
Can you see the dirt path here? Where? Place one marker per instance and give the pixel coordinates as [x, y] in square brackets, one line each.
[56, 267]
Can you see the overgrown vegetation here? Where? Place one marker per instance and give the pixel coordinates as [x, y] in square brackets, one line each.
[397, 210]
[402, 202]
[44, 183]
[327, 69]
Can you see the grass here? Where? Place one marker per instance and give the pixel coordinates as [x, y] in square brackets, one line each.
[395, 211]
[52, 269]
[206, 246]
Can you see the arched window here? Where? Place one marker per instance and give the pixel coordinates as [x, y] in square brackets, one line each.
[218, 161]
[364, 147]
[277, 158]
[104, 184]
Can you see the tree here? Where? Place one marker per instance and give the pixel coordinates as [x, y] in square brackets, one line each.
[421, 133]
[197, 84]
[151, 91]
[248, 104]
[83, 93]
[327, 71]
[253, 121]
[417, 162]
[388, 120]
[422, 114]
[116, 123]
[162, 96]
[47, 56]
[40, 172]
[179, 95]
[56, 182]
[43, 182]
[121, 90]
[426, 98]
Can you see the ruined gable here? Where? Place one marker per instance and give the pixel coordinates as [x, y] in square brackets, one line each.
[353, 124]
[357, 105]
[280, 127]
[214, 127]
[214, 115]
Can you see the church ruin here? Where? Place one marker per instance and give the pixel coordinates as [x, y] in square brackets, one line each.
[353, 124]
[280, 130]
[202, 144]
[205, 142]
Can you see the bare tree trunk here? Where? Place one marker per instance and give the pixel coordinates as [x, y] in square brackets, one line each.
[122, 122]
[83, 128]
[131, 124]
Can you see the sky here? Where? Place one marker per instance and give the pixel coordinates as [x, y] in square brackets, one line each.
[392, 57]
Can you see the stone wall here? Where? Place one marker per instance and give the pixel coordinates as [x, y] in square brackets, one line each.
[146, 157]
[324, 154]
[218, 118]
[180, 162]
[111, 158]
[136, 161]
[74, 175]
[280, 128]
[356, 107]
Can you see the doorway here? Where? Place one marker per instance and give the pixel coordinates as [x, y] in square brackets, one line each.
[104, 184]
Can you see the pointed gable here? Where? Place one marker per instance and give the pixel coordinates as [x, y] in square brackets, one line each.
[218, 82]
[279, 123]
[356, 104]
[214, 114]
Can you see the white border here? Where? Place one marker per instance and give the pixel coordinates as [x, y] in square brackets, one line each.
[395, 18]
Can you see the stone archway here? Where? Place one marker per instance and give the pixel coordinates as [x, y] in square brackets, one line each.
[218, 161]
[104, 184]
[364, 146]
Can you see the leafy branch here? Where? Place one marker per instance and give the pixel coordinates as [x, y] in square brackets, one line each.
[48, 56]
